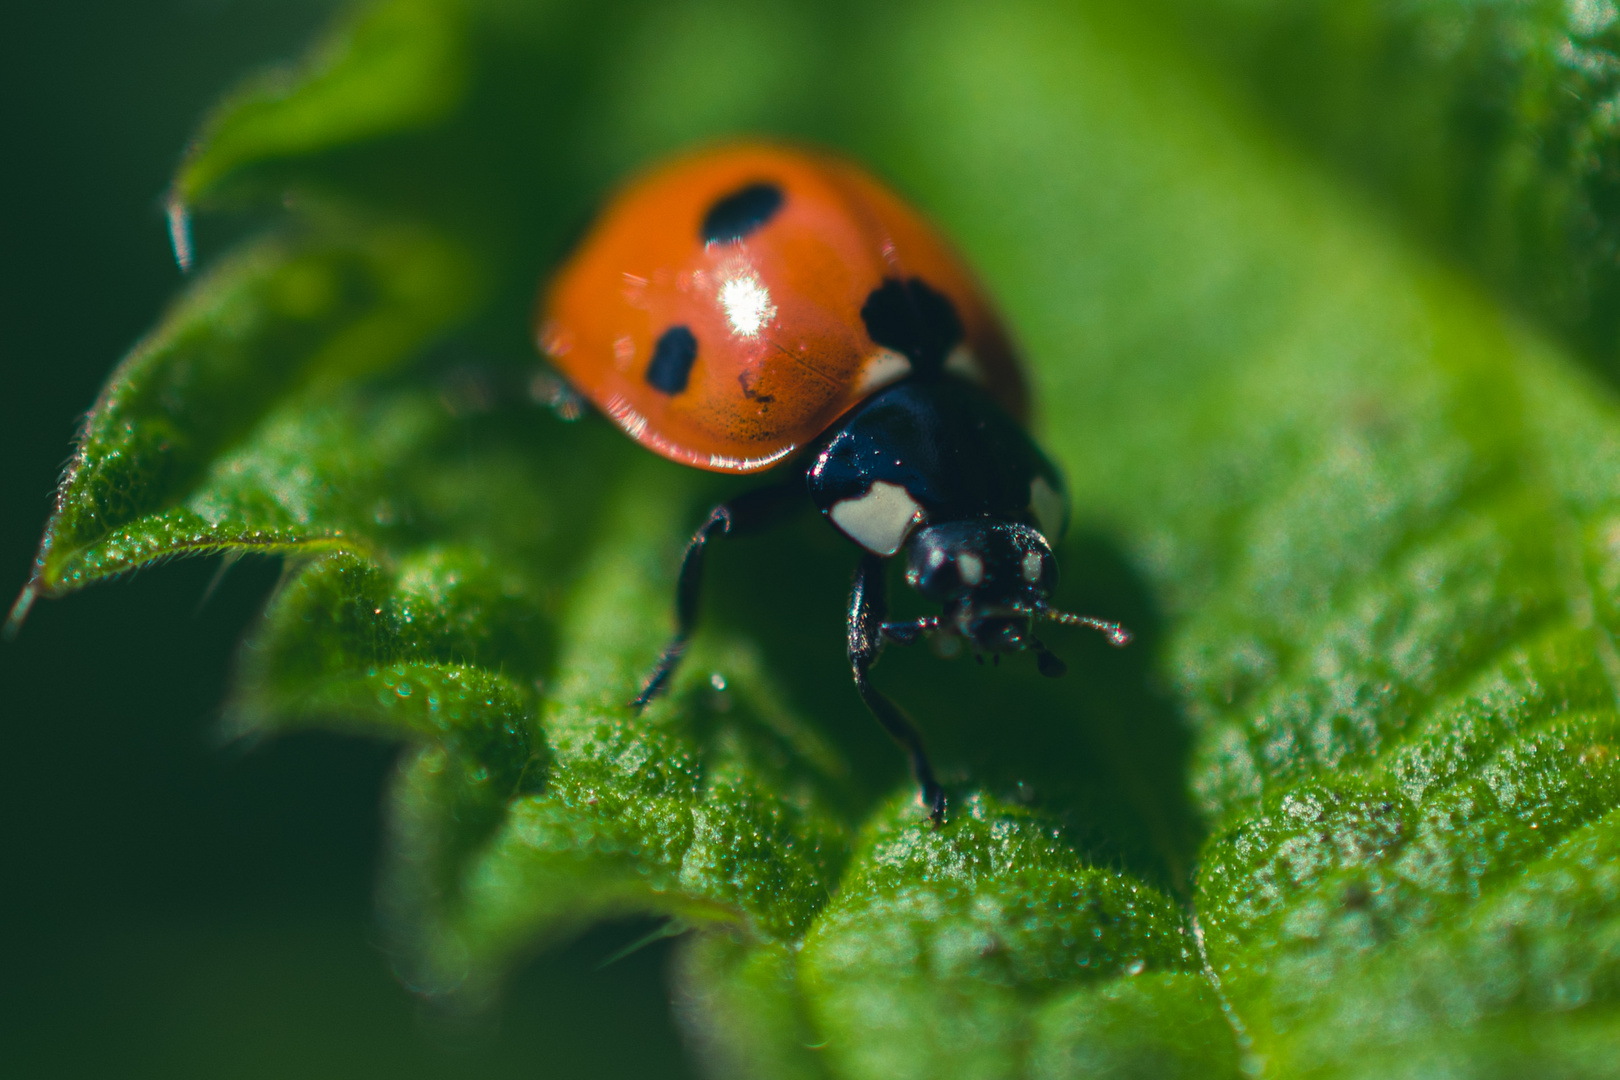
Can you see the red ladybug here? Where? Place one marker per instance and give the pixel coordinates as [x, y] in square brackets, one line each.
[754, 304]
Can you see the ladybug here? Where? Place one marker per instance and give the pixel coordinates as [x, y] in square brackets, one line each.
[763, 308]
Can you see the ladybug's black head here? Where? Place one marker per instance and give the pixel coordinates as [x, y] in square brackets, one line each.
[994, 579]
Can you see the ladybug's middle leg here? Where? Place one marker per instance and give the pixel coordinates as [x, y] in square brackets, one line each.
[867, 607]
[747, 513]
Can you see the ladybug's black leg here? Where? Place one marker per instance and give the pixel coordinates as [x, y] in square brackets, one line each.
[867, 606]
[747, 513]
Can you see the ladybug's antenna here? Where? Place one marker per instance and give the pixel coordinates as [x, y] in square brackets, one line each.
[1117, 635]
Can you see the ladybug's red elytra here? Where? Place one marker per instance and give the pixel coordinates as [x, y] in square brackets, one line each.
[760, 307]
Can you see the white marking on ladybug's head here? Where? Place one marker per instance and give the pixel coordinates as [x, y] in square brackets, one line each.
[1030, 567]
[883, 367]
[1050, 509]
[881, 519]
[964, 361]
[747, 304]
[971, 567]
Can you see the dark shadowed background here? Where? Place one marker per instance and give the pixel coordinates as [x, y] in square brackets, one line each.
[172, 906]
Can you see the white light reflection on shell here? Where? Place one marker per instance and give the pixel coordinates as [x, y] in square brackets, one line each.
[747, 304]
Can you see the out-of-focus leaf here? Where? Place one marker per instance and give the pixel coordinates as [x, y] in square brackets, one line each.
[1365, 523]
[385, 69]
[1490, 126]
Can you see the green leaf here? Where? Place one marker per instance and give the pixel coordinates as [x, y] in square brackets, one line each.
[292, 316]
[384, 69]
[1348, 807]
[1490, 127]
[941, 944]
[707, 808]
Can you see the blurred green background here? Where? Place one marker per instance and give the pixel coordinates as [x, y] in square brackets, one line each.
[171, 906]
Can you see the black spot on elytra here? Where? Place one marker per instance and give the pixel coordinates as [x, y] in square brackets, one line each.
[913, 320]
[734, 216]
[672, 360]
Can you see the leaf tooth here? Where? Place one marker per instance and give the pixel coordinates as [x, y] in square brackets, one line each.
[381, 68]
[289, 311]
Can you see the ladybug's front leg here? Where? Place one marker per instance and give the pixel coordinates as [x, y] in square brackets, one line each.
[867, 607]
[748, 513]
